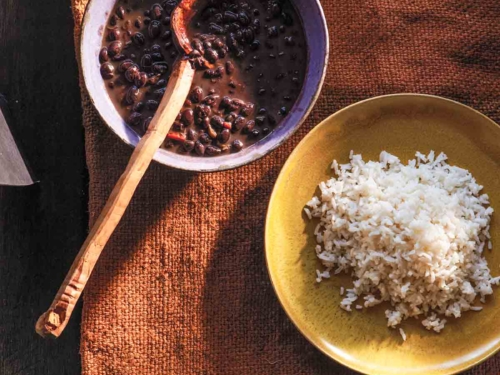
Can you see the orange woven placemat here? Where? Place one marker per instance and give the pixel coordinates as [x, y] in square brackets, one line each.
[182, 287]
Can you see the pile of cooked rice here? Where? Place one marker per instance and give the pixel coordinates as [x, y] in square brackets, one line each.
[410, 234]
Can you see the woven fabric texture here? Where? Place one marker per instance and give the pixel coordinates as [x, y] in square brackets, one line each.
[182, 287]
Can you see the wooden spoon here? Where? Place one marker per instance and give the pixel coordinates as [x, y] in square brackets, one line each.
[53, 321]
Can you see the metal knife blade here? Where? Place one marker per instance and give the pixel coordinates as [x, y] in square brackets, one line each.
[13, 169]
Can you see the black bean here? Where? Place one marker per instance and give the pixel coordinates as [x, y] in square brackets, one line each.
[275, 9]
[229, 67]
[232, 43]
[138, 23]
[134, 119]
[113, 20]
[159, 93]
[199, 148]
[262, 111]
[266, 131]
[295, 80]
[249, 126]
[205, 138]
[161, 83]
[194, 54]
[219, 72]
[154, 29]
[191, 134]
[262, 91]
[132, 95]
[145, 124]
[283, 111]
[124, 65]
[132, 73]
[156, 11]
[103, 55]
[166, 21]
[114, 34]
[168, 45]
[152, 104]
[272, 32]
[260, 120]
[237, 104]
[225, 102]
[215, 29]
[222, 52]
[247, 109]
[213, 150]
[224, 135]
[237, 145]
[218, 43]
[146, 20]
[239, 36]
[141, 80]
[196, 94]
[208, 13]
[230, 16]
[217, 121]
[153, 79]
[169, 5]
[107, 70]
[155, 48]
[207, 44]
[255, 132]
[115, 48]
[238, 123]
[248, 35]
[120, 12]
[287, 19]
[202, 111]
[138, 107]
[211, 55]
[187, 116]
[166, 35]
[289, 41]
[188, 145]
[211, 100]
[282, 29]
[138, 39]
[146, 60]
[119, 57]
[231, 117]
[256, 24]
[243, 18]
[271, 119]
[233, 27]
[157, 56]
[198, 45]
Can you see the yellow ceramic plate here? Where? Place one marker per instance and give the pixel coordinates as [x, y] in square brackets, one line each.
[400, 124]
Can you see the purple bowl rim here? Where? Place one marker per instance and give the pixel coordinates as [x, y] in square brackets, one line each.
[197, 167]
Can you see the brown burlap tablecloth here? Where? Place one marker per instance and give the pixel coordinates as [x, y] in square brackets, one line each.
[182, 287]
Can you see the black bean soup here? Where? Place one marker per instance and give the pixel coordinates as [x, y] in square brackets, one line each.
[250, 59]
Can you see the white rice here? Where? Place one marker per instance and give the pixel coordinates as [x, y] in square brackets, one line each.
[410, 234]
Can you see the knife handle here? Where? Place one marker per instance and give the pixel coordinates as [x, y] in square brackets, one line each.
[53, 322]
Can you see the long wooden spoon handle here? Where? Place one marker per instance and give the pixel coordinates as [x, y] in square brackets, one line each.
[53, 322]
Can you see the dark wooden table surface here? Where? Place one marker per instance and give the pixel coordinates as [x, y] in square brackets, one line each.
[41, 226]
